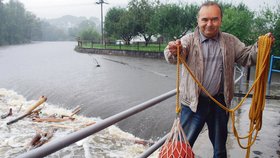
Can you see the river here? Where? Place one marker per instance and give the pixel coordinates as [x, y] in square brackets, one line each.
[69, 79]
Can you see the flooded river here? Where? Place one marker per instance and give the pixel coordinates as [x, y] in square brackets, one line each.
[69, 79]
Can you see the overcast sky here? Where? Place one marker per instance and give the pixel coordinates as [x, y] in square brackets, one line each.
[57, 8]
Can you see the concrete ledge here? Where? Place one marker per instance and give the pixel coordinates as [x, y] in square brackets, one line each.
[143, 54]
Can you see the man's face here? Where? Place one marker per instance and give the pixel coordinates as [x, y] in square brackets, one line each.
[209, 20]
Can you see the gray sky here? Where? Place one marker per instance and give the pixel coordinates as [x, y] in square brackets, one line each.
[57, 8]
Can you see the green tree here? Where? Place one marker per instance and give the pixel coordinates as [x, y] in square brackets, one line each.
[51, 33]
[119, 23]
[17, 24]
[239, 21]
[142, 11]
[89, 34]
[268, 20]
[84, 25]
[14, 30]
[126, 27]
[112, 20]
[2, 24]
[169, 21]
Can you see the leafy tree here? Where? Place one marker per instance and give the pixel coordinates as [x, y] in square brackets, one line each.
[83, 26]
[126, 27]
[119, 23]
[89, 34]
[276, 33]
[169, 20]
[14, 30]
[2, 24]
[18, 25]
[51, 33]
[112, 19]
[190, 17]
[35, 27]
[239, 21]
[142, 11]
[268, 20]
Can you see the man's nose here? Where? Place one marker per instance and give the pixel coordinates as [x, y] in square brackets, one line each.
[210, 22]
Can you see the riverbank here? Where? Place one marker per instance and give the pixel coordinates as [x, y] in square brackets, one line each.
[132, 53]
[275, 78]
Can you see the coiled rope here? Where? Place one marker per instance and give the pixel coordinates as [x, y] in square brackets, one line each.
[259, 87]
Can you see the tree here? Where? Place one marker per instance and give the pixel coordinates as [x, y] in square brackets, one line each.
[112, 19]
[126, 27]
[2, 25]
[142, 11]
[14, 30]
[85, 25]
[51, 33]
[19, 26]
[171, 20]
[89, 34]
[268, 20]
[119, 23]
[239, 21]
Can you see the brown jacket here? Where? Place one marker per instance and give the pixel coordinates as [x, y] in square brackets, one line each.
[233, 51]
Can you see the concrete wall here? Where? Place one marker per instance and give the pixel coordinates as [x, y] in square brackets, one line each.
[157, 55]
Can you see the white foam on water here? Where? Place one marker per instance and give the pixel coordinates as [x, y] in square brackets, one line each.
[16, 137]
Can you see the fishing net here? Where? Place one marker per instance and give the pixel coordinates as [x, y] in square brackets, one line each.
[176, 144]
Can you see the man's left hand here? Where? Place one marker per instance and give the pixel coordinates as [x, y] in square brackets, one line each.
[271, 36]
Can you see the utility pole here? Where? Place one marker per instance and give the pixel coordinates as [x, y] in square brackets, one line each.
[102, 32]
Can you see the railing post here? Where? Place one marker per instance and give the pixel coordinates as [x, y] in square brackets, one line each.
[270, 68]
[248, 74]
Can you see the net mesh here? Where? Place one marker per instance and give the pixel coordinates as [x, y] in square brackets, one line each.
[176, 144]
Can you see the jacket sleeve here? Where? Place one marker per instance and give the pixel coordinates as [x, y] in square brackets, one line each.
[185, 40]
[169, 57]
[245, 55]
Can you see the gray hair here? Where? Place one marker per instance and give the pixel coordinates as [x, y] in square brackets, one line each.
[210, 3]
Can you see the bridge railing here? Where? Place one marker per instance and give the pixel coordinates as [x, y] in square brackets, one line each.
[272, 59]
[60, 143]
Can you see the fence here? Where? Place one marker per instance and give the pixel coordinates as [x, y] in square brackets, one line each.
[135, 46]
[271, 67]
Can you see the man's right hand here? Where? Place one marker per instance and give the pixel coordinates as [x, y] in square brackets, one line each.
[173, 46]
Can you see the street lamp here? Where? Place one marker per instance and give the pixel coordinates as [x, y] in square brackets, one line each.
[102, 33]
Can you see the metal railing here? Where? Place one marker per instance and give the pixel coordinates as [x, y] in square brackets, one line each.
[60, 143]
[271, 69]
[135, 46]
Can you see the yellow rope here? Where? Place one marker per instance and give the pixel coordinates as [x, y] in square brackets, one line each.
[178, 106]
[259, 86]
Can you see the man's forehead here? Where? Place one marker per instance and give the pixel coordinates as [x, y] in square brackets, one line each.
[209, 11]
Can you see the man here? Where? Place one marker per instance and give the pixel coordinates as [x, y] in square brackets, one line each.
[211, 55]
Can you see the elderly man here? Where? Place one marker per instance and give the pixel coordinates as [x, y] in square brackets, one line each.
[211, 55]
